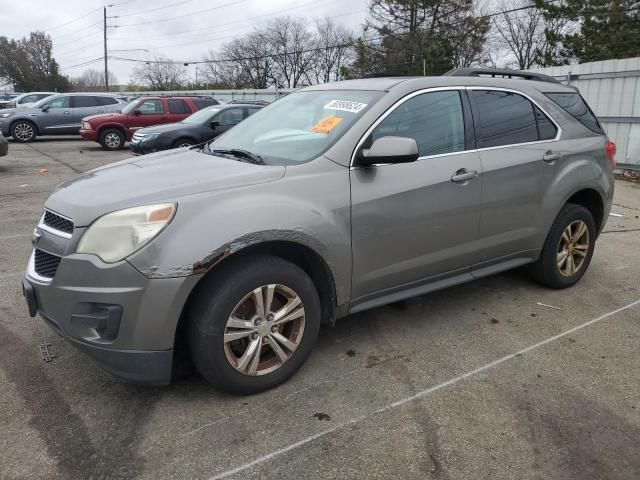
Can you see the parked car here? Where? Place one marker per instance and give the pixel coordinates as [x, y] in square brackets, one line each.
[199, 127]
[335, 199]
[60, 114]
[26, 100]
[113, 130]
[6, 100]
[4, 145]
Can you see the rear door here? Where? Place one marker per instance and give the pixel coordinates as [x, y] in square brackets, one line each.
[85, 105]
[178, 109]
[516, 144]
[417, 222]
[58, 117]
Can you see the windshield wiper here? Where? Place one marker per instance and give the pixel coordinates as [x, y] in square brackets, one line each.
[245, 155]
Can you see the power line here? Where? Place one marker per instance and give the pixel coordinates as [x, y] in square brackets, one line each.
[183, 16]
[74, 20]
[77, 31]
[152, 9]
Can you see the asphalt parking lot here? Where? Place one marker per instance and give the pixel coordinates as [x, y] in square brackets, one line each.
[476, 382]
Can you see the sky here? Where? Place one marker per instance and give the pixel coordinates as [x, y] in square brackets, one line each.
[183, 30]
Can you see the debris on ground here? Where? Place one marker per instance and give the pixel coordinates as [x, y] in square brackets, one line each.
[616, 214]
[43, 170]
[351, 353]
[46, 352]
[322, 416]
[628, 175]
[548, 306]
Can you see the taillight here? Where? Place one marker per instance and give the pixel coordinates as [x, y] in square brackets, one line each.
[610, 148]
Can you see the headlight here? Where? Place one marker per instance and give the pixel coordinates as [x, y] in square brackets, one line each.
[117, 235]
[150, 136]
[86, 126]
[6, 114]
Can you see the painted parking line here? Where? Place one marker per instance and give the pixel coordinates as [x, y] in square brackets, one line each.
[15, 236]
[418, 395]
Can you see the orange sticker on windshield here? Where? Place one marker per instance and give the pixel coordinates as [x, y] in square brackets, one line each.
[326, 124]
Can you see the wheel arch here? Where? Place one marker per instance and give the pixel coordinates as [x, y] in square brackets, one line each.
[592, 200]
[117, 126]
[18, 120]
[299, 254]
[184, 137]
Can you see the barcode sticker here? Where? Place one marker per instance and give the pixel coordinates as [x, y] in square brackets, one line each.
[345, 106]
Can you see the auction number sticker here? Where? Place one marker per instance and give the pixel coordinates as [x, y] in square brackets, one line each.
[326, 124]
[345, 106]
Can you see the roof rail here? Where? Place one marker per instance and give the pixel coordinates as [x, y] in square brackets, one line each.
[499, 72]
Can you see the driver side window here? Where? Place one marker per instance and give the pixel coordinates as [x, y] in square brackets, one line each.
[230, 117]
[60, 102]
[151, 107]
[434, 120]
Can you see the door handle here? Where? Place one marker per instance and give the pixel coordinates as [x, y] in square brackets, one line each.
[463, 176]
[100, 111]
[550, 156]
[67, 112]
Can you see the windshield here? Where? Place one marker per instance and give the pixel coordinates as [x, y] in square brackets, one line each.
[202, 116]
[299, 127]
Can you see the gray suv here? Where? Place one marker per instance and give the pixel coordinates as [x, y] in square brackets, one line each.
[335, 199]
[55, 115]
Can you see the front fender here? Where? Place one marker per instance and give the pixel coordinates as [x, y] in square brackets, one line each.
[309, 206]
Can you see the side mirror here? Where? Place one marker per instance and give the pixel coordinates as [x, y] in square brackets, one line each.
[45, 109]
[137, 113]
[390, 150]
[214, 124]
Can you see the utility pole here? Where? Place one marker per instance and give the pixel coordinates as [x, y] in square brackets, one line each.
[106, 68]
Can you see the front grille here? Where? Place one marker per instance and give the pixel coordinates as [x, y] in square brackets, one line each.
[45, 264]
[57, 222]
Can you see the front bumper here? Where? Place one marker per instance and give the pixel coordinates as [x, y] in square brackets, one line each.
[90, 135]
[4, 146]
[142, 147]
[4, 126]
[124, 321]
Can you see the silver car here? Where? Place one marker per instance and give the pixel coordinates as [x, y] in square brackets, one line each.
[335, 199]
[60, 114]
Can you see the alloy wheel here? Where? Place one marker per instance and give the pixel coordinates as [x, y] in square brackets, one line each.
[23, 131]
[112, 140]
[573, 248]
[264, 330]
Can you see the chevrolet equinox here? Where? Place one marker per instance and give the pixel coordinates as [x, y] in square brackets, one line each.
[335, 199]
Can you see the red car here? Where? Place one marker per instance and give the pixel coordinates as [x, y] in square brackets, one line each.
[112, 130]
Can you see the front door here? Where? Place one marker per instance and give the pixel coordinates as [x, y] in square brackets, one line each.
[419, 220]
[147, 113]
[58, 117]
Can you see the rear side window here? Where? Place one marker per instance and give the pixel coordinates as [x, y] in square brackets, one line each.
[575, 105]
[434, 120]
[505, 118]
[84, 101]
[546, 128]
[204, 102]
[251, 111]
[106, 100]
[178, 106]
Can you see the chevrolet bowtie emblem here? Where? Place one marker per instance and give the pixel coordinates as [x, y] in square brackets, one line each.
[35, 236]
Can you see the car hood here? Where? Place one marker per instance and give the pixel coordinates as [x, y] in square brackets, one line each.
[104, 116]
[166, 127]
[161, 177]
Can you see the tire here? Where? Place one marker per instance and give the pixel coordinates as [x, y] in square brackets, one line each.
[229, 365]
[23, 131]
[183, 142]
[112, 139]
[550, 269]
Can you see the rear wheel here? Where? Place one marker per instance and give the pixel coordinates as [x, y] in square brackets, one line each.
[112, 139]
[568, 248]
[253, 324]
[23, 131]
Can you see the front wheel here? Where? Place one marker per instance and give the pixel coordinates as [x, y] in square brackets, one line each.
[568, 248]
[183, 142]
[253, 324]
[23, 131]
[112, 139]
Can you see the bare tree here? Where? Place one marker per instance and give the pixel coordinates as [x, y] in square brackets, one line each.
[92, 81]
[525, 33]
[290, 44]
[161, 73]
[333, 49]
